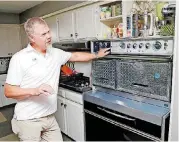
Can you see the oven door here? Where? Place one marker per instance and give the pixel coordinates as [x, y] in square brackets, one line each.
[103, 124]
[147, 78]
[141, 76]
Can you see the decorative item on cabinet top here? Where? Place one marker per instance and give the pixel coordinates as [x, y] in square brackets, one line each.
[111, 10]
[4, 64]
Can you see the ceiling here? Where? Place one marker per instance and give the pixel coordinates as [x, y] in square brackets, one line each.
[17, 6]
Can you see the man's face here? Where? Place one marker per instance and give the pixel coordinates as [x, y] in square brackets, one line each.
[41, 36]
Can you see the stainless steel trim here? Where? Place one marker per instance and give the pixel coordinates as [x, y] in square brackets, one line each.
[124, 126]
[163, 126]
[139, 57]
[118, 115]
[129, 106]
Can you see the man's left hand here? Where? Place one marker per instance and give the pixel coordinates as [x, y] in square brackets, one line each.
[103, 52]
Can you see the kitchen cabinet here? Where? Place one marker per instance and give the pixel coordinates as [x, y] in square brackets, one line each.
[61, 115]
[77, 24]
[69, 114]
[65, 25]
[51, 21]
[75, 122]
[3, 42]
[9, 40]
[14, 41]
[84, 22]
[24, 38]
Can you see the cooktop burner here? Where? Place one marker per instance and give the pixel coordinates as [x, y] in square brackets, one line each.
[78, 83]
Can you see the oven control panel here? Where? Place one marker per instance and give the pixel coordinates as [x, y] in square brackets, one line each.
[143, 47]
[96, 45]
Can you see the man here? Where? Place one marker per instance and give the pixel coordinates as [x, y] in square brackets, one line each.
[32, 79]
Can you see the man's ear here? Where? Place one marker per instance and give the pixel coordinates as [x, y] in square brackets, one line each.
[31, 38]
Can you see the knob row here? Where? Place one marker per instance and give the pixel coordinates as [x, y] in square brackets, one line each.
[157, 45]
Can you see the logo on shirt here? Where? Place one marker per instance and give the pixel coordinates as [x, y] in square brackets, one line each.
[34, 59]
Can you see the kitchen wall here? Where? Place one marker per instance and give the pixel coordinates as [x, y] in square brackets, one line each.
[84, 67]
[46, 8]
[9, 18]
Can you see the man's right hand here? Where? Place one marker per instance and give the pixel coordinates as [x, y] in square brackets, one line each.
[43, 89]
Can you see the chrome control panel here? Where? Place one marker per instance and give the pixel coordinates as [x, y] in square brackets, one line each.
[160, 46]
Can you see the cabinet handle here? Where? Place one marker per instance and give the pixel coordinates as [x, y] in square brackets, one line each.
[76, 34]
[61, 104]
[65, 105]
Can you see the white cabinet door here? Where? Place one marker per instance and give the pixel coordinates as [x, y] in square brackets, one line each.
[6, 101]
[4, 50]
[14, 39]
[65, 25]
[24, 38]
[52, 23]
[60, 114]
[75, 121]
[84, 22]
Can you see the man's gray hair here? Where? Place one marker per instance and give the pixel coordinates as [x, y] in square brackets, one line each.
[29, 24]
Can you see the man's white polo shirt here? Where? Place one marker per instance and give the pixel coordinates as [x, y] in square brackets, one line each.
[29, 69]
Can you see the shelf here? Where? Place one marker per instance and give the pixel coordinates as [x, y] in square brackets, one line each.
[111, 19]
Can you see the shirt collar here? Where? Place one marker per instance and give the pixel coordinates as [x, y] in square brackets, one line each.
[31, 49]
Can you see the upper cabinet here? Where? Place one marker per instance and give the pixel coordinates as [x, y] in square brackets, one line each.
[14, 41]
[77, 24]
[51, 21]
[84, 22]
[3, 42]
[24, 38]
[65, 25]
[9, 40]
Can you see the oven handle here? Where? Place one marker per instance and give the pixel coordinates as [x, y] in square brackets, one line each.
[118, 115]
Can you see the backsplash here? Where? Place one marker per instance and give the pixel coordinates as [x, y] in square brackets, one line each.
[81, 67]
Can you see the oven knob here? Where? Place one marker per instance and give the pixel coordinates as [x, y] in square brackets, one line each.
[86, 83]
[157, 45]
[108, 45]
[128, 45]
[134, 45]
[147, 45]
[141, 45]
[122, 45]
[100, 45]
[104, 44]
[165, 44]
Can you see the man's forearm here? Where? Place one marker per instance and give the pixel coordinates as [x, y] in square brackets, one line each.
[82, 56]
[16, 92]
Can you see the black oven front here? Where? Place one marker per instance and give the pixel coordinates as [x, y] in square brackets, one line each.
[103, 124]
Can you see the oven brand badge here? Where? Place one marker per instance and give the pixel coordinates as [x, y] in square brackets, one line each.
[157, 75]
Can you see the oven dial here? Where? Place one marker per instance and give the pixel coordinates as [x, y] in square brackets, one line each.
[134, 45]
[157, 45]
[87, 84]
[100, 45]
[147, 45]
[122, 45]
[128, 45]
[141, 45]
